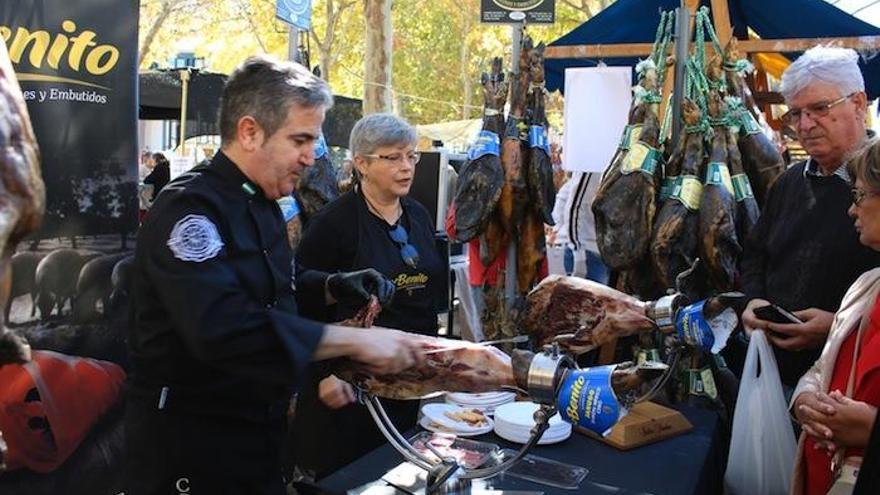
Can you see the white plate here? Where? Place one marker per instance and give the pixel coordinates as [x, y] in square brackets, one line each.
[549, 437]
[436, 413]
[483, 399]
[428, 425]
[553, 432]
[521, 414]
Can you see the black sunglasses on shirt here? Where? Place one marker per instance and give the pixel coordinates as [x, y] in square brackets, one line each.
[408, 252]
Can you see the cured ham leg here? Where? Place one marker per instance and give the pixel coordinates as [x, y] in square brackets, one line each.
[481, 179]
[676, 231]
[747, 210]
[514, 196]
[594, 313]
[625, 203]
[719, 246]
[22, 193]
[761, 160]
[317, 186]
[448, 365]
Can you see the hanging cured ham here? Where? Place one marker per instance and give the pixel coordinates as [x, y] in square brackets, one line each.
[719, 245]
[542, 191]
[481, 178]
[625, 203]
[514, 194]
[676, 231]
[531, 247]
[747, 210]
[317, 186]
[761, 160]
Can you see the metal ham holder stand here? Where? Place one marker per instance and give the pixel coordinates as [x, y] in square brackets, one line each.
[546, 373]
[447, 476]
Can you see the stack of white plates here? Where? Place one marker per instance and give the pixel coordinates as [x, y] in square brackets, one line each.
[440, 418]
[515, 421]
[486, 402]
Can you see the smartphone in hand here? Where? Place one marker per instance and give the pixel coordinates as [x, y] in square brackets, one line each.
[776, 314]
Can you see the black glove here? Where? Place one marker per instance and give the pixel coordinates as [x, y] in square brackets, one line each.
[355, 288]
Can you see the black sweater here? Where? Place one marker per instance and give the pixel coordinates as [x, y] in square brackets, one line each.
[804, 252]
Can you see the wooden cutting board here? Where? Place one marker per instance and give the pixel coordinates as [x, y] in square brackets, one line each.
[646, 423]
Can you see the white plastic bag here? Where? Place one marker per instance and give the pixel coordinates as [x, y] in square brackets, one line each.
[762, 447]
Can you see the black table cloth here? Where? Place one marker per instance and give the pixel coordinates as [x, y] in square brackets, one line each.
[689, 464]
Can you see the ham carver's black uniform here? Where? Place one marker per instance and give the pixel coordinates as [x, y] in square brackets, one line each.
[216, 344]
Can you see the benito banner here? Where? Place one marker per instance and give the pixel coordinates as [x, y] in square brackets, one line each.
[76, 62]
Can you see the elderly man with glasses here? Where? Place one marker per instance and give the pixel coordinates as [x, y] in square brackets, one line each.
[804, 253]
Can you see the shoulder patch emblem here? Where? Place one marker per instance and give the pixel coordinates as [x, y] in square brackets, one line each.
[195, 238]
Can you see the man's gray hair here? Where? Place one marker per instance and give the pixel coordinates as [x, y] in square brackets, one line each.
[378, 130]
[265, 89]
[837, 66]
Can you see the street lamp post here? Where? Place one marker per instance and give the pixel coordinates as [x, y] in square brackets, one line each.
[184, 79]
[185, 62]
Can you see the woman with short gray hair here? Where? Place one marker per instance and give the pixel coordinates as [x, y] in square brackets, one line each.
[376, 226]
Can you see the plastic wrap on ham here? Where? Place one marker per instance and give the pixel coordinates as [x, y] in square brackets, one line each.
[448, 365]
[594, 313]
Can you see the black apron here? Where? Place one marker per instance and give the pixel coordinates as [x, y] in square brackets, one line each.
[328, 439]
[201, 453]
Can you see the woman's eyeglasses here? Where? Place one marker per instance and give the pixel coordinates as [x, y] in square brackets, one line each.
[817, 110]
[859, 195]
[398, 158]
[408, 252]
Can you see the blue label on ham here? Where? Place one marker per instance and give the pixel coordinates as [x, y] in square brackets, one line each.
[321, 147]
[487, 143]
[538, 138]
[289, 207]
[692, 327]
[586, 399]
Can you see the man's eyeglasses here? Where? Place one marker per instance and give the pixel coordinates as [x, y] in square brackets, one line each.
[859, 195]
[398, 158]
[408, 252]
[817, 110]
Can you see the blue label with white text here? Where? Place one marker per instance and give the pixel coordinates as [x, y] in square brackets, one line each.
[289, 207]
[487, 143]
[587, 399]
[692, 327]
[538, 138]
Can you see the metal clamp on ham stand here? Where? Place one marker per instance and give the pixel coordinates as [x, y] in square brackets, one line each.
[447, 476]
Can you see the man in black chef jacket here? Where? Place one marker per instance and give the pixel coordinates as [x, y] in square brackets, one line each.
[216, 344]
